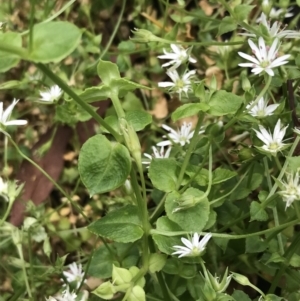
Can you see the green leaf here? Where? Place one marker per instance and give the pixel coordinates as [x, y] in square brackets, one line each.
[163, 174]
[257, 212]
[240, 296]
[103, 260]
[137, 293]
[189, 109]
[181, 19]
[227, 24]
[165, 243]
[221, 175]
[120, 275]
[123, 85]
[54, 41]
[223, 103]
[157, 262]
[122, 225]
[242, 11]
[103, 165]
[295, 261]
[95, 94]
[11, 84]
[138, 119]
[294, 162]
[255, 244]
[9, 60]
[191, 219]
[107, 71]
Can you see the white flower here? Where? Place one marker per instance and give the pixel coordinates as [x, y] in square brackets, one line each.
[177, 57]
[193, 247]
[5, 115]
[291, 190]
[266, 58]
[261, 109]
[3, 187]
[51, 94]
[65, 296]
[157, 154]
[75, 274]
[276, 13]
[272, 143]
[178, 85]
[275, 30]
[182, 136]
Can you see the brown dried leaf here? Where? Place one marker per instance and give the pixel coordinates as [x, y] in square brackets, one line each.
[217, 72]
[207, 8]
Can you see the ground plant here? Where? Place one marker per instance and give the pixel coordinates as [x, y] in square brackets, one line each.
[150, 150]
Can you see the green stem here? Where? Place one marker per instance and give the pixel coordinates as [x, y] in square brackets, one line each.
[31, 263]
[21, 52]
[143, 214]
[116, 28]
[20, 251]
[6, 214]
[227, 236]
[31, 24]
[5, 154]
[296, 206]
[189, 151]
[275, 212]
[158, 210]
[79, 210]
[57, 80]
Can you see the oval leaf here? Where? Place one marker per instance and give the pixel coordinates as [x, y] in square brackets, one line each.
[190, 219]
[9, 60]
[120, 225]
[223, 103]
[138, 119]
[103, 165]
[189, 109]
[107, 71]
[53, 41]
[163, 174]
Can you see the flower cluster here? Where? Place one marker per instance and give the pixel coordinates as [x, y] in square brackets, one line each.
[266, 52]
[180, 83]
[182, 136]
[75, 276]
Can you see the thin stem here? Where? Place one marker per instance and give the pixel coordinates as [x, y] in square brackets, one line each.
[6, 214]
[31, 23]
[5, 153]
[79, 210]
[275, 213]
[158, 210]
[116, 28]
[54, 16]
[189, 151]
[57, 80]
[20, 251]
[227, 236]
[143, 214]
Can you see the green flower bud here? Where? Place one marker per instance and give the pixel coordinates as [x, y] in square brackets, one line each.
[105, 291]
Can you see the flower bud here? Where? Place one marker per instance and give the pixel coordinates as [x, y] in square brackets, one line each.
[144, 36]
[241, 279]
[266, 7]
[105, 291]
[131, 140]
[246, 85]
